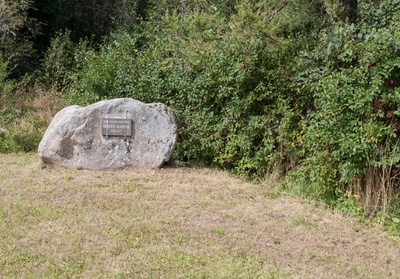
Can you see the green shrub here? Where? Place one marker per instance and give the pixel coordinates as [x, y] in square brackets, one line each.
[58, 62]
[104, 73]
[351, 135]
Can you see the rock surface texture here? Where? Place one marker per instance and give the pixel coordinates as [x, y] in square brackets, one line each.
[112, 134]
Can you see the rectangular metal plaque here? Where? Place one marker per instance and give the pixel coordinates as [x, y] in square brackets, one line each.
[116, 127]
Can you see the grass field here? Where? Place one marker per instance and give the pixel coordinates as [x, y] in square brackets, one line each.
[174, 223]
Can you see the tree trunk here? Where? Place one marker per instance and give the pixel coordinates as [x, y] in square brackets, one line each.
[350, 10]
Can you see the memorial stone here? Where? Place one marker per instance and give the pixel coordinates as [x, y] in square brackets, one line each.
[110, 134]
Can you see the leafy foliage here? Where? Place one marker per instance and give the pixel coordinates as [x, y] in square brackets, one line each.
[16, 32]
[352, 133]
[59, 60]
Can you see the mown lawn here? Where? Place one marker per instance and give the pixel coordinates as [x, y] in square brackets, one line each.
[174, 223]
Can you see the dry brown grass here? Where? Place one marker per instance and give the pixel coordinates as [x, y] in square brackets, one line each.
[174, 223]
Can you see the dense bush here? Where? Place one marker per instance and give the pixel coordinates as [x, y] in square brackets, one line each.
[351, 135]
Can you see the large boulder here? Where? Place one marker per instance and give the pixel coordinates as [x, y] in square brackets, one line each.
[110, 134]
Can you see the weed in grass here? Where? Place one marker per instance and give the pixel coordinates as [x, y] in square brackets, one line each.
[300, 220]
[219, 231]
[131, 186]
[67, 175]
[179, 239]
[74, 267]
[32, 188]
[43, 213]
[67, 269]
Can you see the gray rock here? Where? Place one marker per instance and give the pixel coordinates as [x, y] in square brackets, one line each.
[110, 134]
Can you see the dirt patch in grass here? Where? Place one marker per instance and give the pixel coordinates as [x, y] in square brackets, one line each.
[174, 223]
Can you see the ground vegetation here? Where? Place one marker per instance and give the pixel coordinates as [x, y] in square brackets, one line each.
[175, 223]
[307, 90]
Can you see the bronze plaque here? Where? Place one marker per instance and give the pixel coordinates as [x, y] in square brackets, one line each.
[116, 127]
